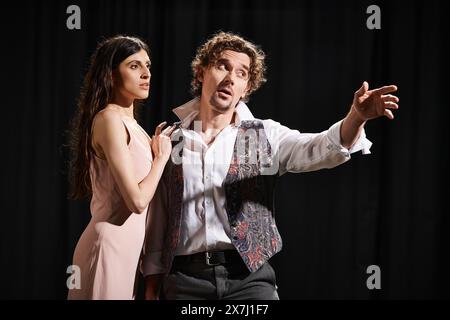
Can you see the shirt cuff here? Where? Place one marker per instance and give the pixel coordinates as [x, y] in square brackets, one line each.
[151, 264]
[362, 144]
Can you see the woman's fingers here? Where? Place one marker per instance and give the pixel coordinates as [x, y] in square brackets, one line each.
[168, 131]
[164, 132]
[159, 128]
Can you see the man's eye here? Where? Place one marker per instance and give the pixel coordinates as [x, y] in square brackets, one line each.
[134, 66]
[242, 74]
[221, 66]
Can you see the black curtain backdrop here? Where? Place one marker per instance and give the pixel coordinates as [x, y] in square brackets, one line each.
[389, 208]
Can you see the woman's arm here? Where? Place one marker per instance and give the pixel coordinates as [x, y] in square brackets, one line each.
[110, 135]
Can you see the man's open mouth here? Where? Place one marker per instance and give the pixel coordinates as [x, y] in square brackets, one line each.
[226, 91]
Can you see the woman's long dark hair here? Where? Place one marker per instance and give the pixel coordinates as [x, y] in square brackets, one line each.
[95, 95]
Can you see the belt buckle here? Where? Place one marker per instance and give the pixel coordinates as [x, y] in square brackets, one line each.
[208, 257]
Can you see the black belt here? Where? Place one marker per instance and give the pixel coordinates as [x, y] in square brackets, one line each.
[210, 258]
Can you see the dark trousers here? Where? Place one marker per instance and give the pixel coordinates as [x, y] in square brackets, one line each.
[192, 279]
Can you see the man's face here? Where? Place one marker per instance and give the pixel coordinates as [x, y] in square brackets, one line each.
[226, 82]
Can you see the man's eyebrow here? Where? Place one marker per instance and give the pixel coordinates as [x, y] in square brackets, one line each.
[228, 61]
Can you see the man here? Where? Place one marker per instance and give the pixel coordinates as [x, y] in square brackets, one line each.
[211, 228]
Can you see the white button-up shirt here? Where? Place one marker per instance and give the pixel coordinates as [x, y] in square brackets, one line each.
[204, 220]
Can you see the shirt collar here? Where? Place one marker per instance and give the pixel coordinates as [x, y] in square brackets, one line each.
[188, 111]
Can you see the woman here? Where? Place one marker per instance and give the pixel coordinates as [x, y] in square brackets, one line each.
[113, 162]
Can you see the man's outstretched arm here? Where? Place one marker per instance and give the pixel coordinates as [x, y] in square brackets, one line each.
[367, 104]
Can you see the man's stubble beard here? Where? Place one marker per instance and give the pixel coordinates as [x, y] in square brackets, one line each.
[219, 107]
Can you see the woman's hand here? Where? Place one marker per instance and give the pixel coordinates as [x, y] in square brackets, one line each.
[161, 143]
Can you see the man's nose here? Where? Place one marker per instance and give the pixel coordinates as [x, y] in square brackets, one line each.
[229, 78]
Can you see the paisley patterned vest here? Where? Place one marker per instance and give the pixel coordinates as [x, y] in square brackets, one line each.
[249, 189]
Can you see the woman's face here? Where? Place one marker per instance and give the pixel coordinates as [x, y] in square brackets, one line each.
[132, 79]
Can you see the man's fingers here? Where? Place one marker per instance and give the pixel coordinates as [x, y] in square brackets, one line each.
[385, 89]
[363, 89]
[388, 113]
[390, 97]
[391, 105]
[159, 128]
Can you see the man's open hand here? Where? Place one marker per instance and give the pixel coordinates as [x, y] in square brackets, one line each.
[371, 104]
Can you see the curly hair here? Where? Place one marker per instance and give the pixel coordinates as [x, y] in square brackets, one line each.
[210, 52]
